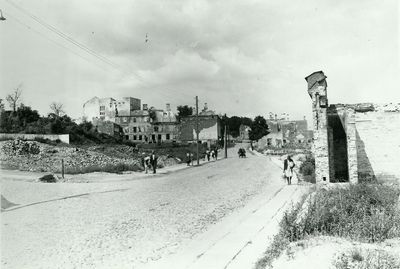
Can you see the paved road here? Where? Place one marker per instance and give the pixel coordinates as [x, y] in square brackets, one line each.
[201, 217]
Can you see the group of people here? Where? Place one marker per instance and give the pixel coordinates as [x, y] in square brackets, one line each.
[213, 153]
[242, 153]
[288, 165]
[149, 162]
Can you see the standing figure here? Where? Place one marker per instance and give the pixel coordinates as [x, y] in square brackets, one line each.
[288, 165]
[191, 158]
[188, 161]
[146, 164]
[213, 154]
[153, 161]
[216, 153]
[208, 154]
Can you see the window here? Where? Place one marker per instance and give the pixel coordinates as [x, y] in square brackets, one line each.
[134, 129]
[153, 137]
[125, 119]
[134, 137]
[102, 113]
[102, 108]
[155, 128]
[167, 137]
[133, 119]
[159, 137]
[140, 137]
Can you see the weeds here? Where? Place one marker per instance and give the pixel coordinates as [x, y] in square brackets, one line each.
[369, 259]
[360, 212]
[109, 168]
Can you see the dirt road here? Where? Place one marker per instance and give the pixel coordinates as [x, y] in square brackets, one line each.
[218, 215]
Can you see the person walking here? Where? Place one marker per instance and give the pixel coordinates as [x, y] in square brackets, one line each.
[188, 161]
[288, 165]
[153, 161]
[213, 154]
[146, 164]
[208, 154]
[216, 153]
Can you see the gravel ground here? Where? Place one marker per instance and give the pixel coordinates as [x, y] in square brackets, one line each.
[127, 223]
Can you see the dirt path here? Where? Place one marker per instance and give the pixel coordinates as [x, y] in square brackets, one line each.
[146, 222]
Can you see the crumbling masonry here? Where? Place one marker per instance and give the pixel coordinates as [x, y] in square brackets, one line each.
[353, 143]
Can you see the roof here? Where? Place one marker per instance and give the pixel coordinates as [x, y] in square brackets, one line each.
[314, 78]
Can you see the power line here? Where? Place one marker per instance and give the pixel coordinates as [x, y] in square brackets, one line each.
[82, 47]
[73, 41]
[49, 39]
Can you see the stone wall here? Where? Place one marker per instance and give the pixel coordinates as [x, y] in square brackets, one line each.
[63, 137]
[378, 143]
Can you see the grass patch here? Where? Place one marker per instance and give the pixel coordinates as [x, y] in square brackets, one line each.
[367, 259]
[366, 213]
[109, 168]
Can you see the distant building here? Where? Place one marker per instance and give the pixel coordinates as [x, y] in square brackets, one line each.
[209, 128]
[284, 132]
[108, 127]
[244, 132]
[108, 108]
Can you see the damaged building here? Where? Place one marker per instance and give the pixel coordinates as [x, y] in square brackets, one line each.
[353, 142]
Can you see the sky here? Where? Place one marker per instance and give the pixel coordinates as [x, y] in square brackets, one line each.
[244, 58]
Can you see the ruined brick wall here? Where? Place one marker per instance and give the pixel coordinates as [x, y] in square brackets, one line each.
[378, 143]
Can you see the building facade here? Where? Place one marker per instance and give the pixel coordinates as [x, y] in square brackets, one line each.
[209, 128]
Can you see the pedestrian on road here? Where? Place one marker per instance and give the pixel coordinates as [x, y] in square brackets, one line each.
[208, 154]
[188, 160]
[213, 154]
[146, 163]
[153, 161]
[288, 165]
[191, 158]
[216, 153]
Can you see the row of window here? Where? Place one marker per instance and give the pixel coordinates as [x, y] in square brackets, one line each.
[153, 137]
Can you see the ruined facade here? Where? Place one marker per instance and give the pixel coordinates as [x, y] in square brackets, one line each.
[353, 143]
[209, 128]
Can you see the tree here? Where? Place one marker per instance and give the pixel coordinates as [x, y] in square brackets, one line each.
[14, 98]
[1, 104]
[259, 128]
[184, 111]
[57, 109]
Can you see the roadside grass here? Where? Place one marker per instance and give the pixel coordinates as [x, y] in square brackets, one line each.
[365, 213]
[109, 168]
[366, 259]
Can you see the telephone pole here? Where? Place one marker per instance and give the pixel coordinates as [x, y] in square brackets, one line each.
[225, 143]
[197, 130]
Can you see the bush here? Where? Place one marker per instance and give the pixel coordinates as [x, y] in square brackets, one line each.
[110, 168]
[307, 169]
[366, 213]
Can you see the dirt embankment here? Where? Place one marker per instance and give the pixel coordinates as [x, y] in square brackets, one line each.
[39, 157]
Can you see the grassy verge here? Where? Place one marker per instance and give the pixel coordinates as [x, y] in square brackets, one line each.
[110, 168]
[366, 213]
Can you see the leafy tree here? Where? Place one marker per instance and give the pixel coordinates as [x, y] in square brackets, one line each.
[184, 111]
[14, 98]
[259, 128]
[1, 104]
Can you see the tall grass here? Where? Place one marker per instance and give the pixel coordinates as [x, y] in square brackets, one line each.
[109, 168]
[366, 213]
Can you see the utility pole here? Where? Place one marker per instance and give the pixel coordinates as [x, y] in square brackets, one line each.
[225, 143]
[197, 130]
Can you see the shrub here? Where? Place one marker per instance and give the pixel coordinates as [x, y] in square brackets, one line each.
[307, 169]
[360, 212]
[48, 179]
[109, 168]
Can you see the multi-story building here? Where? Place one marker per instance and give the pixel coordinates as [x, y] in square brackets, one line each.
[108, 108]
[209, 128]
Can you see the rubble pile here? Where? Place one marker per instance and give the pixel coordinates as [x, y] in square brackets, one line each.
[20, 147]
[39, 157]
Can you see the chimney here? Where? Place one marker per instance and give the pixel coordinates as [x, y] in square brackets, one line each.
[304, 118]
[276, 117]
[145, 107]
[205, 107]
[168, 107]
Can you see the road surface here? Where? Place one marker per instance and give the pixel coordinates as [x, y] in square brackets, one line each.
[218, 215]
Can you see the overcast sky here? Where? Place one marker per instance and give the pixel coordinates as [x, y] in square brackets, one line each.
[243, 58]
